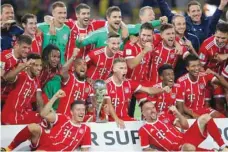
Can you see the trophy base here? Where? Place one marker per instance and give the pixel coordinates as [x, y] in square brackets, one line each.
[101, 121]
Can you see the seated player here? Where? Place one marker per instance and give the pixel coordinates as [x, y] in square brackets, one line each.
[18, 106]
[191, 95]
[120, 89]
[159, 131]
[66, 134]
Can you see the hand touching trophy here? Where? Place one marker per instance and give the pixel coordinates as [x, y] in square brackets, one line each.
[100, 91]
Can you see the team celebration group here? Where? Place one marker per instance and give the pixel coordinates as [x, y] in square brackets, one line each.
[175, 68]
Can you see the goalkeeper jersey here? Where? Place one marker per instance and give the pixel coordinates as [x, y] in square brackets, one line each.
[60, 39]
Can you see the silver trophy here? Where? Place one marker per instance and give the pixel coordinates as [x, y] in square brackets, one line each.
[100, 91]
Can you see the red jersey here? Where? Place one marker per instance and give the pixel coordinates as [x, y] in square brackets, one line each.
[164, 100]
[8, 62]
[193, 93]
[225, 72]
[162, 134]
[99, 64]
[37, 44]
[19, 99]
[47, 74]
[120, 95]
[75, 90]
[163, 55]
[77, 32]
[140, 72]
[208, 50]
[65, 136]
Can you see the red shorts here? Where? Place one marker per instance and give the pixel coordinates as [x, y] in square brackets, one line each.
[203, 110]
[21, 118]
[194, 136]
[44, 142]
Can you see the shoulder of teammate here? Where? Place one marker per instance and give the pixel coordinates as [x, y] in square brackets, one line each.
[182, 78]
[44, 27]
[129, 49]
[98, 24]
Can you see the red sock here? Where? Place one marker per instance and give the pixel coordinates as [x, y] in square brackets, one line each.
[214, 132]
[22, 136]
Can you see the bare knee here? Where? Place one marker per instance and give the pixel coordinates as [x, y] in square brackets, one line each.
[34, 129]
[203, 119]
[188, 147]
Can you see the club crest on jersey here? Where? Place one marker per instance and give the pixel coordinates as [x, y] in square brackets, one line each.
[173, 96]
[202, 86]
[86, 90]
[81, 131]
[126, 90]
[166, 120]
[128, 51]
[172, 56]
[65, 36]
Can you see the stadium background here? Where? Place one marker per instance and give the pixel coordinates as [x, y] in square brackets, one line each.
[129, 8]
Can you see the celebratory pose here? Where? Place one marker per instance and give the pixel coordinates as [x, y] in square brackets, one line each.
[159, 131]
[66, 134]
[120, 89]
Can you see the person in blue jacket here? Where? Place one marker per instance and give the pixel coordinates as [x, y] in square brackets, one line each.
[9, 30]
[196, 22]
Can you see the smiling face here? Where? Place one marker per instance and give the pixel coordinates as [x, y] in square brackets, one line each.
[78, 112]
[36, 68]
[115, 20]
[60, 14]
[54, 58]
[145, 36]
[221, 38]
[23, 49]
[179, 25]
[168, 37]
[167, 77]
[31, 26]
[80, 69]
[194, 68]
[7, 13]
[113, 44]
[149, 111]
[195, 13]
[83, 16]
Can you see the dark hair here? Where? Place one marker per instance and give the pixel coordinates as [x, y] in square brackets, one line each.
[76, 102]
[112, 34]
[5, 5]
[27, 16]
[222, 27]
[46, 51]
[193, 3]
[81, 6]
[112, 9]
[34, 56]
[24, 39]
[146, 26]
[57, 4]
[189, 58]
[163, 68]
[165, 27]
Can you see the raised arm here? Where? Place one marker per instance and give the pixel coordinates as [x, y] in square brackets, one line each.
[153, 90]
[216, 16]
[165, 10]
[91, 38]
[64, 71]
[11, 75]
[47, 112]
